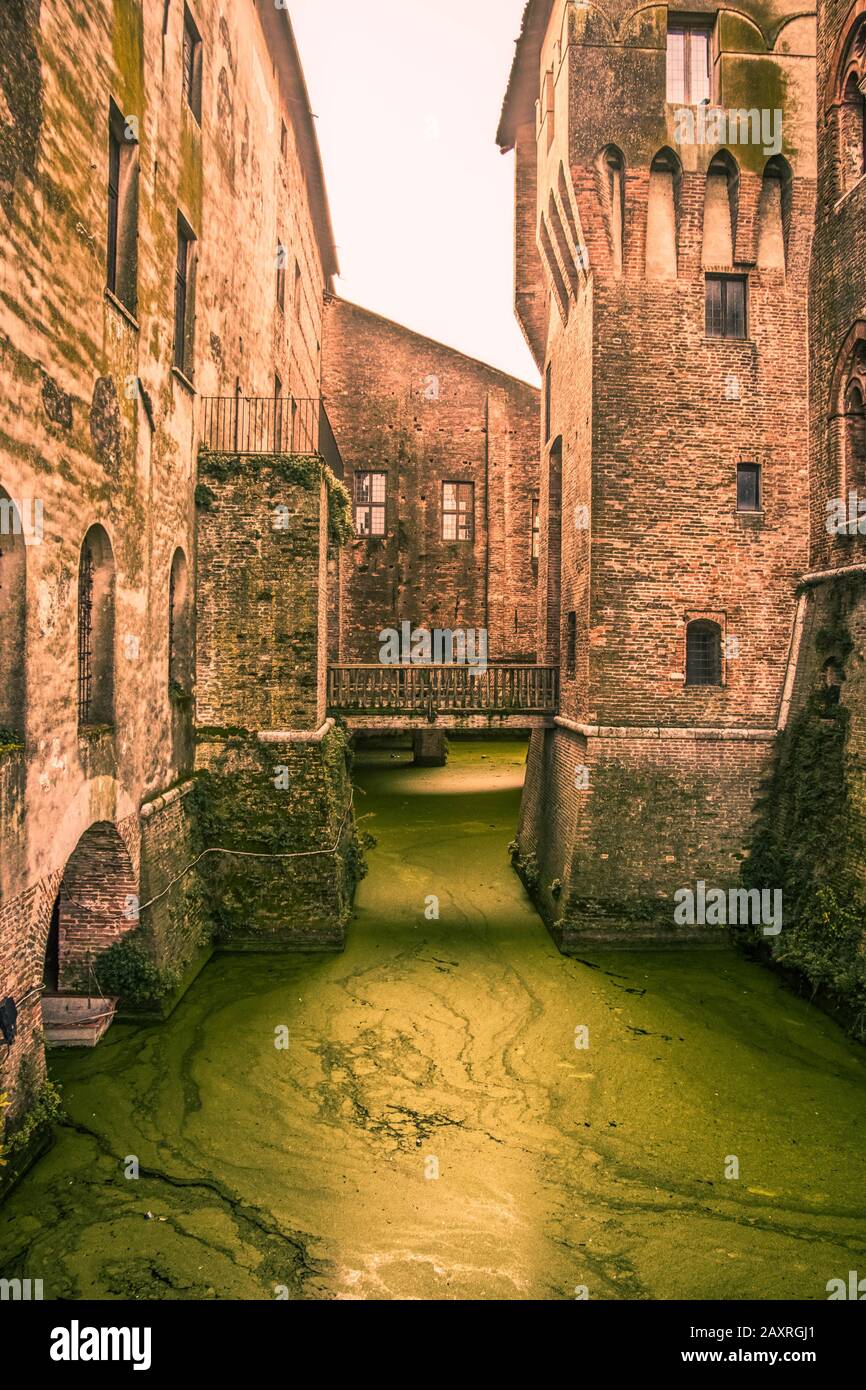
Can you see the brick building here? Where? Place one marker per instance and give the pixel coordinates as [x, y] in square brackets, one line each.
[165, 246]
[661, 284]
[441, 456]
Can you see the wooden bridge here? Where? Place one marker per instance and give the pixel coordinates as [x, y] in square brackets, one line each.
[453, 696]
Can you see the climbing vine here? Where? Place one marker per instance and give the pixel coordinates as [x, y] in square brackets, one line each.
[299, 470]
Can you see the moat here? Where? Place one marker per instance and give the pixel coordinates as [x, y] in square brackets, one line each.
[431, 1130]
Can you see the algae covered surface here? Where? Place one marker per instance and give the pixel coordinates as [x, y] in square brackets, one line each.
[430, 1130]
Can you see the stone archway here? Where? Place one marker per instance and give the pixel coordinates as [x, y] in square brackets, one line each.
[96, 905]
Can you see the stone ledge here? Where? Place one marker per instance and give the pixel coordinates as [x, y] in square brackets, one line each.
[626, 731]
[296, 735]
[159, 803]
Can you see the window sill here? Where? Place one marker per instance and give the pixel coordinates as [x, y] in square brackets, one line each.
[95, 733]
[184, 381]
[735, 342]
[749, 513]
[121, 308]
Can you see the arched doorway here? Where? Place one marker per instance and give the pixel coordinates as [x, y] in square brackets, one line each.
[95, 906]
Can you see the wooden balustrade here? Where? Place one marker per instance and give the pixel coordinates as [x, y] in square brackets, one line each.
[495, 688]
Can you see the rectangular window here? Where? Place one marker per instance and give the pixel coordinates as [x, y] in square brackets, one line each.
[191, 64]
[184, 306]
[122, 253]
[726, 306]
[688, 62]
[282, 262]
[748, 487]
[370, 502]
[536, 529]
[458, 511]
[548, 402]
[296, 293]
[284, 140]
[571, 645]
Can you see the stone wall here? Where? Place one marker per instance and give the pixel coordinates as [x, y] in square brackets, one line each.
[99, 428]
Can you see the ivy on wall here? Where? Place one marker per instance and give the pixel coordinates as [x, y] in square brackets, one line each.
[299, 470]
[810, 839]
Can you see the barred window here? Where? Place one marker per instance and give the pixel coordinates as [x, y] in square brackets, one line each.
[458, 511]
[191, 64]
[85, 635]
[371, 496]
[703, 653]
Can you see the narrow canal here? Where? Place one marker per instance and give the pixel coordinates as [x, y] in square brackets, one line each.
[431, 1130]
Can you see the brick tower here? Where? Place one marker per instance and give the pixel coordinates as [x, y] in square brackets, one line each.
[665, 175]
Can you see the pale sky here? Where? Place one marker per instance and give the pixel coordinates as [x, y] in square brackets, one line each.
[408, 94]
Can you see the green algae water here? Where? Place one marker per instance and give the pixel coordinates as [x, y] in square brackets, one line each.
[431, 1130]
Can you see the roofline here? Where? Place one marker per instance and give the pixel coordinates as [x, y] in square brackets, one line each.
[523, 81]
[278, 31]
[434, 342]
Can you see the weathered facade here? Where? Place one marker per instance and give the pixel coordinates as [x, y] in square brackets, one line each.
[661, 284]
[165, 246]
[420, 418]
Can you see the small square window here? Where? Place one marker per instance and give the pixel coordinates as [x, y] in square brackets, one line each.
[371, 497]
[458, 511]
[725, 301]
[748, 487]
[191, 64]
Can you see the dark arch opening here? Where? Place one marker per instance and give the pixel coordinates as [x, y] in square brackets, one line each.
[96, 629]
[180, 644]
[96, 905]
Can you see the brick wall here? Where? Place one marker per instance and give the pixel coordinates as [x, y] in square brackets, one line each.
[425, 414]
[260, 620]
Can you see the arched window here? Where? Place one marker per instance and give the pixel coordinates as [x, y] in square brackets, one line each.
[96, 629]
[12, 616]
[852, 135]
[855, 428]
[720, 211]
[774, 215]
[703, 653]
[845, 105]
[662, 217]
[180, 659]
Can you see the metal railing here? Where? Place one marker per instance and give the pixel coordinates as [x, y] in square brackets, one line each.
[497, 689]
[269, 425]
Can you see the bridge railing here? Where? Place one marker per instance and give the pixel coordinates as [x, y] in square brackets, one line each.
[495, 688]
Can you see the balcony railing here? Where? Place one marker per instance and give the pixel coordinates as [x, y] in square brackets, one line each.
[494, 689]
[269, 425]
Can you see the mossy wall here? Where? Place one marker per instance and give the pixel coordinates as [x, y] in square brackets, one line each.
[810, 828]
[612, 827]
[276, 807]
